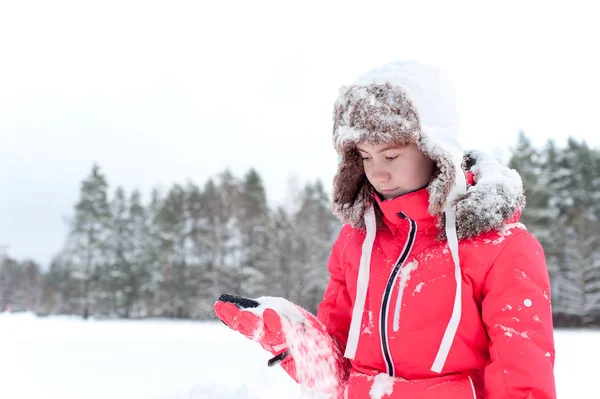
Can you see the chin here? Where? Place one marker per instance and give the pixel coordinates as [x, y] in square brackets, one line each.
[391, 194]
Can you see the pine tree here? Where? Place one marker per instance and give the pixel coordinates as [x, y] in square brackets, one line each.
[139, 261]
[54, 294]
[208, 239]
[8, 283]
[253, 216]
[87, 244]
[129, 253]
[594, 243]
[315, 231]
[575, 237]
[224, 204]
[116, 280]
[20, 285]
[197, 283]
[281, 253]
[155, 260]
[61, 288]
[171, 222]
[538, 215]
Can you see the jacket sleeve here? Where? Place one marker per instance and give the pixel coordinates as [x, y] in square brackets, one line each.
[335, 310]
[517, 315]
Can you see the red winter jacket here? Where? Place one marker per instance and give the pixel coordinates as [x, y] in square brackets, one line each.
[503, 347]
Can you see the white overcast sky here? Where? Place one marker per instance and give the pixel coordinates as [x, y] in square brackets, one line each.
[162, 92]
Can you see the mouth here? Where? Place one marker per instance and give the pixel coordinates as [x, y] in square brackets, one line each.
[392, 191]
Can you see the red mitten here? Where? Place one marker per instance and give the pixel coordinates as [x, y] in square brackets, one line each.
[293, 335]
[246, 316]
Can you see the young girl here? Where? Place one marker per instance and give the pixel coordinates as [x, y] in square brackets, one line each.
[435, 289]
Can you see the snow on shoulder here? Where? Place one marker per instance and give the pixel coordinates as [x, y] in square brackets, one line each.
[494, 201]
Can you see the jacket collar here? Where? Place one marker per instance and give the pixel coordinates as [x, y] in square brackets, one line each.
[413, 205]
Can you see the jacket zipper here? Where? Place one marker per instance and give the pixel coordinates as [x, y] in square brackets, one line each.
[385, 304]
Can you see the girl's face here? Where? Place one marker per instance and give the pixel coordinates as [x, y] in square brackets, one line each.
[398, 169]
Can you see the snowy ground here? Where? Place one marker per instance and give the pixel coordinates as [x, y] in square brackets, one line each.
[67, 358]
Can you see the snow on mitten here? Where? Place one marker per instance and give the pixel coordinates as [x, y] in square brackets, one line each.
[293, 335]
[243, 315]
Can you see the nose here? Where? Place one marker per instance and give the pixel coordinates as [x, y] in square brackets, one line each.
[379, 174]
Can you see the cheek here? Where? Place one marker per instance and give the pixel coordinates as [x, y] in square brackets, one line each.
[408, 173]
[368, 170]
[403, 170]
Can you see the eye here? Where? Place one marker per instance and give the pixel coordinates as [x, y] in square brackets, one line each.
[365, 159]
[391, 158]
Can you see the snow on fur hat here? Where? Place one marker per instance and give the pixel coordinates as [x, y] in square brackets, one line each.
[399, 102]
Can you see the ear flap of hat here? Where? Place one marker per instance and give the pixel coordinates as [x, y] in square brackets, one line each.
[352, 193]
[442, 184]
